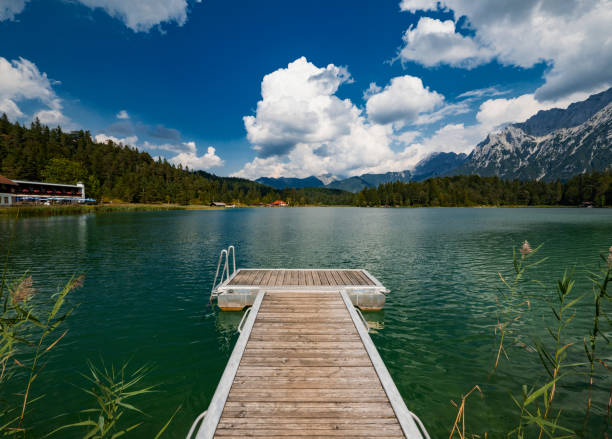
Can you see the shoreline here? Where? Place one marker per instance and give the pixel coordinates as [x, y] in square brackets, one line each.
[34, 211]
[31, 211]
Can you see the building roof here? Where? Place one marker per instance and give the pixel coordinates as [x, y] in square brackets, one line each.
[74, 186]
[4, 180]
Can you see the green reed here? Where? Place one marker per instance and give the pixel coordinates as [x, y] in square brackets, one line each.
[112, 390]
[602, 323]
[28, 332]
[30, 328]
[558, 357]
[513, 300]
[536, 405]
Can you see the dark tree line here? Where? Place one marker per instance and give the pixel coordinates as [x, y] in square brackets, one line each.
[491, 191]
[112, 171]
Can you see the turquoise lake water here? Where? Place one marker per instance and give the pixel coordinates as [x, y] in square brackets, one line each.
[148, 280]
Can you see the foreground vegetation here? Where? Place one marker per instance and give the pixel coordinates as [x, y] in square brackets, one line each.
[31, 327]
[570, 367]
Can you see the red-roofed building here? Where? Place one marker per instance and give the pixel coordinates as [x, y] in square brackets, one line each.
[5, 181]
[279, 203]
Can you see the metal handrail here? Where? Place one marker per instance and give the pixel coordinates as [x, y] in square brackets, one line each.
[420, 424]
[225, 271]
[225, 268]
[243, 320]
[195, 423]
[231, 249]
[363, 320]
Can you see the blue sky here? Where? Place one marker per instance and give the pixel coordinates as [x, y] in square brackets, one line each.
[350, 86]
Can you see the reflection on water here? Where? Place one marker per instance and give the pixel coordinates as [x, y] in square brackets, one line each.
[148, 280]
[376, 320]
[227, 327]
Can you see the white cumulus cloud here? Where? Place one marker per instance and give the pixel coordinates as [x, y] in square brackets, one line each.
[186, 153]
[123, 115]
[138, 15]
[320, 133]
[401, 101]
[142, 15]
[418, 5]
[191, 159]
[433, 42]
[10, 8]
[494, 113]
[298, 105]
[52, 117]
[103, 138]
[302, 128]
[20, 80]
[304, 117]
[573, 37]
[10, 108]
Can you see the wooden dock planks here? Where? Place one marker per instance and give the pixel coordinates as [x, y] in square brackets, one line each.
[306, 373]
[301, 278]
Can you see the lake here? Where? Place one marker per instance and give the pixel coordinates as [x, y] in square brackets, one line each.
[149, 275]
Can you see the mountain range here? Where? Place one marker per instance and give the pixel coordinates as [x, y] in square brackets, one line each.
[552, 144]
[433, 166]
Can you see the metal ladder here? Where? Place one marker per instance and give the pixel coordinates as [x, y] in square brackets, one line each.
[225, 272]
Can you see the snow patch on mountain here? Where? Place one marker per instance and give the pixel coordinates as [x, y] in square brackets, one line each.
[558, 154]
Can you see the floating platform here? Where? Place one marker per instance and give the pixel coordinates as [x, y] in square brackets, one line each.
[304, 364]
[241, 288]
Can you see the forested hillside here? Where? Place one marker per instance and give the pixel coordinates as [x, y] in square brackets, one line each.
[119, 172]
[491, 191]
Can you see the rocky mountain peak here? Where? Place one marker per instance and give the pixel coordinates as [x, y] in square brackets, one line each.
[557, 153]
[547, 121]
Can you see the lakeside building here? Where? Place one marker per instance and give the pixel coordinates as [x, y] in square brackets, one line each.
[279, 203]
[19, 192]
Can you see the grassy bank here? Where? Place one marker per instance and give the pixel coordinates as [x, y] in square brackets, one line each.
[28, 211]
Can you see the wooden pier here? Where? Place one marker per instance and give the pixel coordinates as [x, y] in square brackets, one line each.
[240, 289]
[301, 278]
[304, 366]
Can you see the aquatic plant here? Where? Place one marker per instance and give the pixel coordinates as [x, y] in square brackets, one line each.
[459, 425]
[536, 416]
[558, 355]
[552, 357]
[513, 300]
[29, 327]
[112, 389]
[28, 332]
[601, 300]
